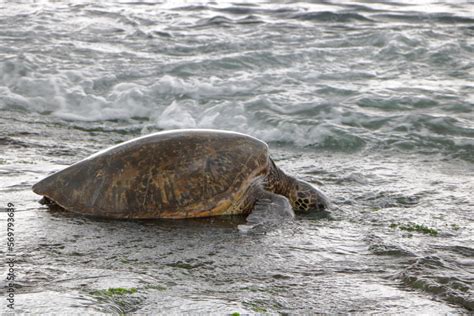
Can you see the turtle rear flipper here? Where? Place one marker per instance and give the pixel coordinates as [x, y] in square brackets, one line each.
[46, 201]
[269, 211]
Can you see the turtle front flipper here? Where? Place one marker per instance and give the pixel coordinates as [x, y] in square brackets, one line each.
[270, 210]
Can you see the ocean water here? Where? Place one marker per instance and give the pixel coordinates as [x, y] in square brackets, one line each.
[372, 101]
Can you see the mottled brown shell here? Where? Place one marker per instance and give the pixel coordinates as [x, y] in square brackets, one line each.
[175, 174]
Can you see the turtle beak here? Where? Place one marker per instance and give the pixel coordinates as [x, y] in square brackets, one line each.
[322, 202]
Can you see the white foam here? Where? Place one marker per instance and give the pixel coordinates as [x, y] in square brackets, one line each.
[177, 116]
[169, 103]
[197, 89]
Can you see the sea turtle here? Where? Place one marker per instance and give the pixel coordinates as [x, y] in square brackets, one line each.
[181, 174]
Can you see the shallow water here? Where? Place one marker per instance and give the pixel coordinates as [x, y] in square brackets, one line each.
[371, 101]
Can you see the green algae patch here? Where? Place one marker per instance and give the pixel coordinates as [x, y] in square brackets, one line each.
[114, 291]
[259, 309]
[419, 228]
[156, 287]
[416, 228]
[121, 298]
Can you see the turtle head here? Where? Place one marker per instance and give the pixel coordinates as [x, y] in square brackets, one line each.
[305, 197]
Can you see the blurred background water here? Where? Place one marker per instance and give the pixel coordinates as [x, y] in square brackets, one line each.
[373, 101]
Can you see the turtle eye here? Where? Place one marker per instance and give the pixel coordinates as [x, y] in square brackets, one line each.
[321, 206]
